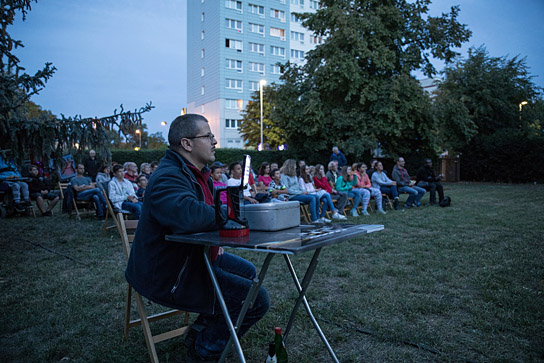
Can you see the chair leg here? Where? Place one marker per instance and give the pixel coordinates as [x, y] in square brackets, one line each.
[127, 310]
[145, 326]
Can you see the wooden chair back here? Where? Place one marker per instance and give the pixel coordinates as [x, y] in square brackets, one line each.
[87, 207]
[127, 230]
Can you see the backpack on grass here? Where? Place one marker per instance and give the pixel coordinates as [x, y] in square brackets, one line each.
[446, 202]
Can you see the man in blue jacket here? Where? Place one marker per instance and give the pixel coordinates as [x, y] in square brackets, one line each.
[179, 200]
[339, 157]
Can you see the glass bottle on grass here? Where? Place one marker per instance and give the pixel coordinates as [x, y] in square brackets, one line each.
[271, 358]
[281, 352]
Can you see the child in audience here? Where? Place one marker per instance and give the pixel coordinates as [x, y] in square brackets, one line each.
[346, 183]
[142, 184]
[264, 174]
[217, 172]
[278, 191]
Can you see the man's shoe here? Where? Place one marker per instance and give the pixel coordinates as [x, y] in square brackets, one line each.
[26, 203]
[338, 216]
[396, 204]
[47, 214]
[325, 220]
[192, 356]
[381, 211]
[406, 206]
[364, 213]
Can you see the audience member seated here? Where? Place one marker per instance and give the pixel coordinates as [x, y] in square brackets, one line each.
[103, 175]
[372, 169]
[274, 166]
[9, 173]
[385, 185]
[426, 178]
[339, 157]
[321, 182]
[131, 172]
[277, 191]
[217, 173]
[290, 180]
[223, 168]
[264, 174]
[307, 184]
[154, 165]
[347, 183]
[364, 182]
[92, 165]
[142, 184]
[40, 189]
[405, 184]
[145, 169]
[122, 195]
[86, 189]
[235, 169]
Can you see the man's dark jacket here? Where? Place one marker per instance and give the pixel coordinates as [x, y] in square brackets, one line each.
[426, 174]
[169, 273]
[340, 158]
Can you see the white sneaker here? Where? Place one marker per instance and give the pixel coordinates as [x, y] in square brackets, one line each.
[354, 212]
[337, 215]
[325, 220]
[381, 211]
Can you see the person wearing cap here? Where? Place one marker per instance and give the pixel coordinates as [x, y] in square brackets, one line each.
[224, 178]
[426, 178]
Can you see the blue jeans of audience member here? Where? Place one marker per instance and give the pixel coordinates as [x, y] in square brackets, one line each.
[97, 197]
[309, 199]
[357, 197]
[134, 208]
[234, 275]
[416, 193]
[390, 190]
[18, 188]
[327, 204]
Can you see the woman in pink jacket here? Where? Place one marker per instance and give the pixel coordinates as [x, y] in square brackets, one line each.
[363, 182]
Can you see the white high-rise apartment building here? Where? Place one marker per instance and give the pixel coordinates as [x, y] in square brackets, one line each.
[234, 44]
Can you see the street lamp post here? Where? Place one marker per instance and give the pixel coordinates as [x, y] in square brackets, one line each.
[139, 132]
[262, 83]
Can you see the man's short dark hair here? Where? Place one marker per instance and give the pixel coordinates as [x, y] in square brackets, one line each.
[31, 166]
[184, 126]
[78, 164]
[233, 165]
[140, 178]
[117, 167]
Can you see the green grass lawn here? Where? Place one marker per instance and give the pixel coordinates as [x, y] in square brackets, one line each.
[463, 283]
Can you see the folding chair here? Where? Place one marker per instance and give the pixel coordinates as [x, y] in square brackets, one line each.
[86, 206]
[145, 319]
[305, 212]
[111, 212]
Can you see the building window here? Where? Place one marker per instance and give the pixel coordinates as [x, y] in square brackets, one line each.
[256, 48]
[297, 36]
[232, 104]
[314, 4]
[277, 51]
[256, 67]
[316, 40]
[202, 91]
[233, 4]
[277, 32]
[202, 35]
[278, 14]
[202, 17]
[234, 24]
[297, 2]
[256, 9]
[202, 53]
[234, 64]
[253, 86]
[234, 44]
[295, 19]
[256, 28]
[202, 72]
[232, 123]
[275, 69]
[297, 54]
[234, 84]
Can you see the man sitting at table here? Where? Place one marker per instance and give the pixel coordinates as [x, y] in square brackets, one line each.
[174, 274]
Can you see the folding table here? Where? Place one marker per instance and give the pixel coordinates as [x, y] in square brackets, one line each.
[286, 242]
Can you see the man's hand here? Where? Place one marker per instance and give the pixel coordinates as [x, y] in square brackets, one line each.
[252, 201]
[44, 192]
[394, 183]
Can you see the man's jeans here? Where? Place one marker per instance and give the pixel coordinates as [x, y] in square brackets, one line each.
[390, 190]
[312, 202]
[134, 208]
[416, 193]
[18, 188]
[234, 275]
[97, 197]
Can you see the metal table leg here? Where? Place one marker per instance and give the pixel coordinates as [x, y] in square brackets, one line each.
[223, 306]
[250, 299]
[302, 298]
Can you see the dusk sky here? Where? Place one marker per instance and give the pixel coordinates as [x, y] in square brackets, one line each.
[109, 53]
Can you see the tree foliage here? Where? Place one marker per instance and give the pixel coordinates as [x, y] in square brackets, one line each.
[356, 89]
[478, 106]
[250, 129]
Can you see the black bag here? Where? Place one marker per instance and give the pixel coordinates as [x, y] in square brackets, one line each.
[446, 202]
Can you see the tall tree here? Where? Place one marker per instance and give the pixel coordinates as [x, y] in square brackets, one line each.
[250, 128]
[356, 89]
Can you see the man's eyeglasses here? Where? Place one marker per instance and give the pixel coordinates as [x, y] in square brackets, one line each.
[209, 136]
